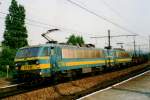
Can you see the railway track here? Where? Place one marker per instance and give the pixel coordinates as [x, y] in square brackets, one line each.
[6, 91]
[2, 82]
[6, 82]
[100, 84]
[74, 89]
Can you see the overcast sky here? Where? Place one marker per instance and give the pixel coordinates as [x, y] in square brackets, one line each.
[70, 19]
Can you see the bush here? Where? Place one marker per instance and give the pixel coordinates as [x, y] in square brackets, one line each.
[7, 58]
[3, 74]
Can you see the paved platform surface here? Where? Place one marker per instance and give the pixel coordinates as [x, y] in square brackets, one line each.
[135, 89]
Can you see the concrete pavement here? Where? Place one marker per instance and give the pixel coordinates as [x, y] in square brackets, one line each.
[134, 89]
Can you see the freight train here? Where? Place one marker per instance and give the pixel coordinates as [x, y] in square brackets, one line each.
[54, 60]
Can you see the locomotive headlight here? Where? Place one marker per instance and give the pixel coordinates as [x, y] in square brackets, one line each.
[16, 64]
[17, 68]
[37, 62]
[40, 73]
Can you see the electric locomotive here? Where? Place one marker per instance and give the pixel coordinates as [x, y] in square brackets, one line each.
[51, 60]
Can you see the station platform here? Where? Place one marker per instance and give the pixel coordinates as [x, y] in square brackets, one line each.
[137, 88]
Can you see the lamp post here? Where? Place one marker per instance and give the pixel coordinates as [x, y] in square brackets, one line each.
[7, 66]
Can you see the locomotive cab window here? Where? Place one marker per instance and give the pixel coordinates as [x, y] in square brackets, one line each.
[28, 52]
[45, 52]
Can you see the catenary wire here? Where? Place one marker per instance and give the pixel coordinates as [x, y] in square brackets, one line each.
[101, 17]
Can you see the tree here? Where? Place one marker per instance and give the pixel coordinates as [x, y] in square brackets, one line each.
[74, 40]
[79, 40]
[7, 58]
[15, 35]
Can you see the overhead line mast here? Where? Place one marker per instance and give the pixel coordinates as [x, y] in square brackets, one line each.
[109, 36]
[109, 41]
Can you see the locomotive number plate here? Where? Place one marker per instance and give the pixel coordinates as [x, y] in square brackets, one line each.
[27, 67]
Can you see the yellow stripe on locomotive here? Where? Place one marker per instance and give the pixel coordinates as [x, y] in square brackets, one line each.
[35, 67]
[32, 58]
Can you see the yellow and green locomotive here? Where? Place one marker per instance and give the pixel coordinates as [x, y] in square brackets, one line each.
[44, 61]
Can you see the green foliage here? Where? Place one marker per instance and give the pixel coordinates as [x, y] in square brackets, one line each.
[74, 40]
[15, 35]
[79, 40]
[4, 73]
[7, 58]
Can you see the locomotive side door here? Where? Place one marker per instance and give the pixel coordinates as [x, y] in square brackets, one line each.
[110, 58]
[53, 60]
[114, 57]
[52, 57]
